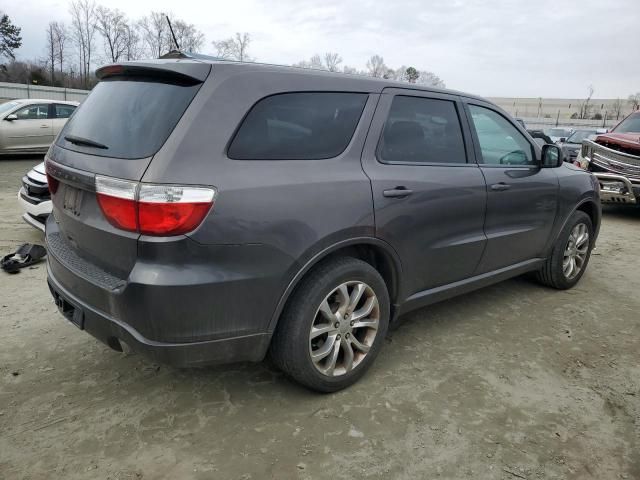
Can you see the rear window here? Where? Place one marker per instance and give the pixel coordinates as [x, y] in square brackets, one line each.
[298, 126]
[131, 117]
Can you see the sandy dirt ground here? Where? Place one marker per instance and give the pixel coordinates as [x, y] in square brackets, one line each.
[514, 381]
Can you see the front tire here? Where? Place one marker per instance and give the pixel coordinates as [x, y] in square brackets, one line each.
[333, 326]
[570, 255]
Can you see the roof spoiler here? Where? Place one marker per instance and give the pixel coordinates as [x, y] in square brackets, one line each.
[173, 54]
[178, 72]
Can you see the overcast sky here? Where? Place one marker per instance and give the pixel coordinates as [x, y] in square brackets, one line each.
[523, 48]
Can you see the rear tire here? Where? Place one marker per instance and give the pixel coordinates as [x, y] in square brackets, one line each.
[341, 306]
[570, 255]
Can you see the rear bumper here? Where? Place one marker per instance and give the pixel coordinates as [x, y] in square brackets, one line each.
[113, 332]
[182, 303]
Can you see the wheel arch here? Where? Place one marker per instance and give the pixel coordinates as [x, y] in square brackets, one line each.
[592, 209]
[376, 252]
[587, 205]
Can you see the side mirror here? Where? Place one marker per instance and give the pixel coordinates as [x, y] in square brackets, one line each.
[600, 131]
[563, 139]
[11, 117]
[552, 156]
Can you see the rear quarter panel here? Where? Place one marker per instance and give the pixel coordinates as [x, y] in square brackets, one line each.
[288, 209]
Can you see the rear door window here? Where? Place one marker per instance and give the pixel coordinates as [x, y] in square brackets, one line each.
[422, 130]
[64, 111]
[131, 117]
[298, 126]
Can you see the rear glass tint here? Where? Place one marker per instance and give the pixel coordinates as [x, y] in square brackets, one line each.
[132, 117]
[422, 130]
[298, 126]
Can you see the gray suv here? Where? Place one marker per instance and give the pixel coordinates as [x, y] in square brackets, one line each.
[208, 212]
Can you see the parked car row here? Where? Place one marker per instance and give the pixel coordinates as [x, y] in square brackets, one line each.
[612, 156]
[29, 126]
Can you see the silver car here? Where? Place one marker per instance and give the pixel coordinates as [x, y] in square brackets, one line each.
[29, 126]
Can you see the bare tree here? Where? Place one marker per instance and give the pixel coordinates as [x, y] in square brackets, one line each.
[188, 36]
[616, 108]
[634, 101]
[243, 42]
[112, 25]
[332, 61]
[429, 79]
[51, 51]
[376, 66]
[314, 62]
[225, 48]
[585, 106]
[155, 33]
[60, 35]
[83, 24]
[234, 48]
[133, 48]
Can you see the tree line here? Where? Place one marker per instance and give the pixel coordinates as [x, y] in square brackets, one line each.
[97, 34]
[375, 67]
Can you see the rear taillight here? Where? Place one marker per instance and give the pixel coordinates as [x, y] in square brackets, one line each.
[161, 210]
[172, 210]
[53, 184]
[117, 199]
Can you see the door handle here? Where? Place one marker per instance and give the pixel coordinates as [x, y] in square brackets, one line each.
[398, 192]
[44, 126]
[500, 187]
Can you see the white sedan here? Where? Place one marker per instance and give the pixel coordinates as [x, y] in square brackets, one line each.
[35, 198]
[29, 126]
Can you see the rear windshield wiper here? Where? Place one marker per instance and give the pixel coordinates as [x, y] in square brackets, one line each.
[84, 141]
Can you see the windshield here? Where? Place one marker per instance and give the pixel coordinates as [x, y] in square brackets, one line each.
[579, 135]
[127, 117]
[5, 107]
[631, 124]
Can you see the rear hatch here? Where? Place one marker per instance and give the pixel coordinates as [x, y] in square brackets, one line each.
[114, 133]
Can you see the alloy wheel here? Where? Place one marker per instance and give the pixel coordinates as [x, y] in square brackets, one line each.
[575, 252]
[344, 328]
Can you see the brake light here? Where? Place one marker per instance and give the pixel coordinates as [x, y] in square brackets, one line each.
[117, 199]
[52, 183]
[160, 210]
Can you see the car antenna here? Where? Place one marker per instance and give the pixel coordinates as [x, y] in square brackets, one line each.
[172, 34]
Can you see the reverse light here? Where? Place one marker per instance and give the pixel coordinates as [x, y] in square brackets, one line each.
[159, 210]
